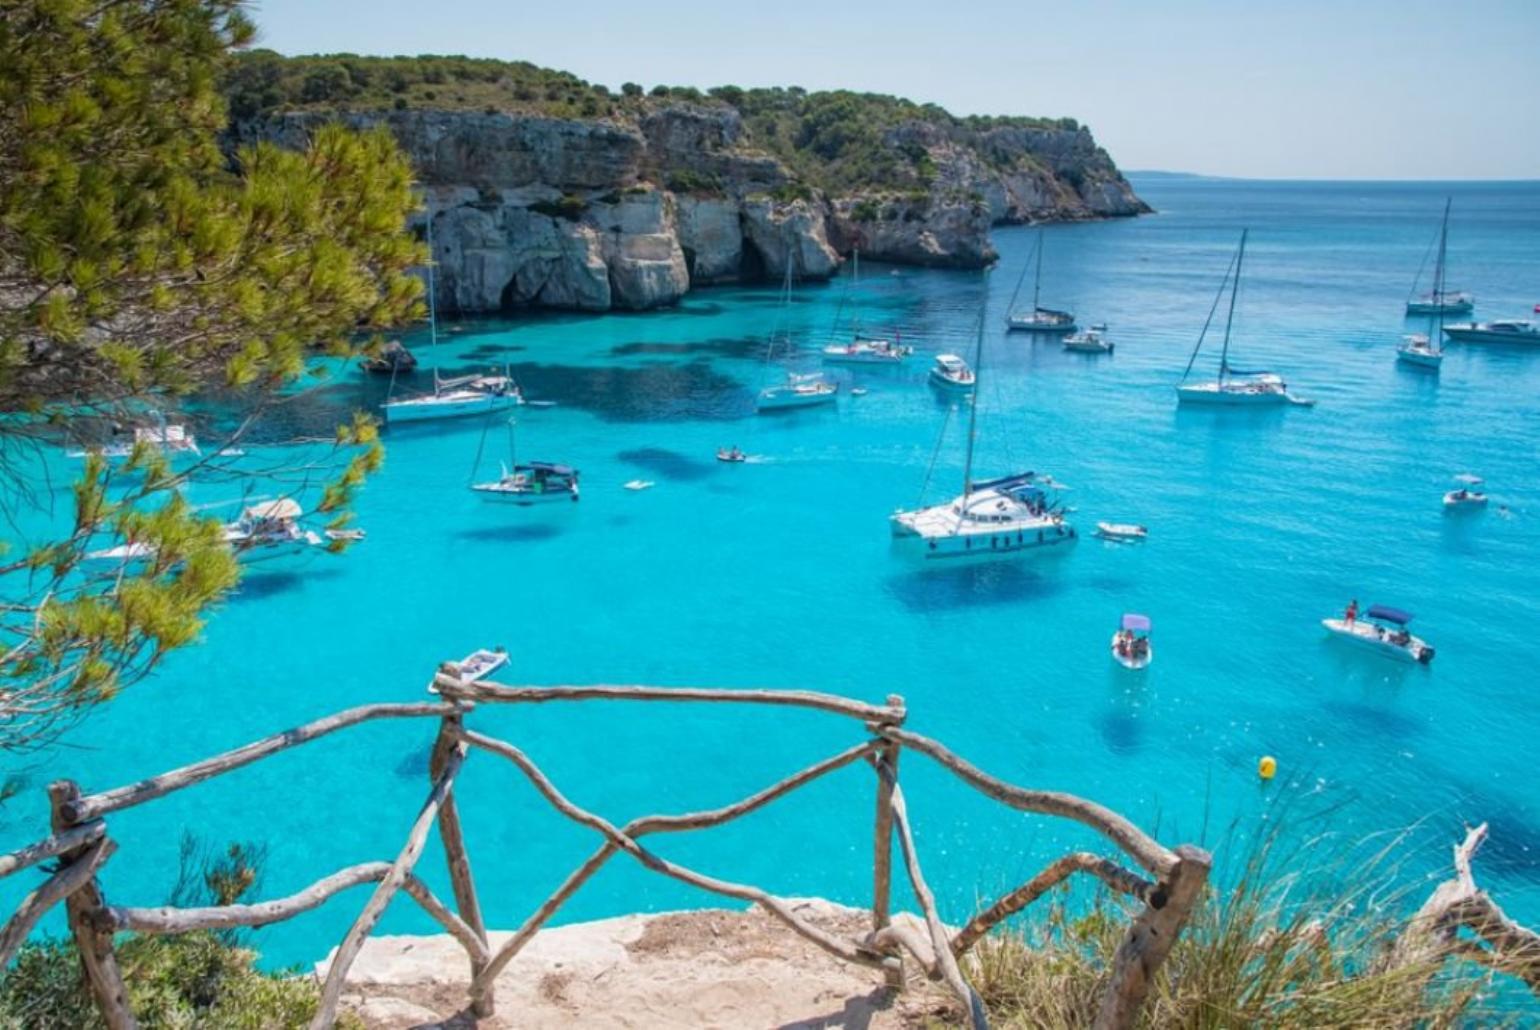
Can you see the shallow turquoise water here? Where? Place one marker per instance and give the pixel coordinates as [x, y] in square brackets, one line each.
[780, 573]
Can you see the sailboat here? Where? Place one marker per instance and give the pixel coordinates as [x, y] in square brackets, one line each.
[1235, 386]
[863, 350]
[474, 394]
[1440, 300]
[534, 482]
[264, 531]
[995, 518]
[799, 390]
[1039, 319]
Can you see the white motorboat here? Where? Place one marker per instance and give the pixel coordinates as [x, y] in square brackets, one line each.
[1131, 647]
[1509, 331]
[534, 482]
[1037, 319]
[799, 391]
[480, 664]
[1440, 300]
[173, 439]
[1089, 341]
[731, 455]
[454, 398]
[1417, 349]
[865, 351]
[952, 372]
[1466, 495]
[1235, 387]
[1121, 531]
[1383, 630]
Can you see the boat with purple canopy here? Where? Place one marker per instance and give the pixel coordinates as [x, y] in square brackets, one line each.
[1131, 647]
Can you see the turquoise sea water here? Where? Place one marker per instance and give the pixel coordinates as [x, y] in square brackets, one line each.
[780, 572]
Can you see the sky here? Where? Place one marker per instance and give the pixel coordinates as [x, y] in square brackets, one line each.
[1349, 89]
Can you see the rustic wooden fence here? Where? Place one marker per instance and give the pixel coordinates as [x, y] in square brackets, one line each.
[1170, 884]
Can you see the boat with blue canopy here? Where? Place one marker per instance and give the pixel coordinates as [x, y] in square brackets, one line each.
[1381, 628]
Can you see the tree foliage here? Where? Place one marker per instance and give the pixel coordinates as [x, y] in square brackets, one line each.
[139, 265]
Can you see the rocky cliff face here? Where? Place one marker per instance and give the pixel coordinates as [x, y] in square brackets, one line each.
[529, 210]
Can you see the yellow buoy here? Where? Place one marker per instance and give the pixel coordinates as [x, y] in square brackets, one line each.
[1267, 767]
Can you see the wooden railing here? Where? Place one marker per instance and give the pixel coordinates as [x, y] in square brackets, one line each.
[1167, 889]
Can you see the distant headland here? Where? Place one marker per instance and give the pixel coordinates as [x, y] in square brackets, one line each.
[548, 191]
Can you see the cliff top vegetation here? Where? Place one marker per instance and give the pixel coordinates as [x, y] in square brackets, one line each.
[832, 139]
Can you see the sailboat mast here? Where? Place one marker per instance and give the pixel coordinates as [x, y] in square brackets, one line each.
[1021, 279]
[1235, 288]
[1037, 281]
[973, 399]
[1437, 337]
[432, 292]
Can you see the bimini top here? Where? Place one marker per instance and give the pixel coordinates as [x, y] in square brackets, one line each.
[1396, 615]
[546, 466]
[1013, 483]
[282, 509]
[1137, 623]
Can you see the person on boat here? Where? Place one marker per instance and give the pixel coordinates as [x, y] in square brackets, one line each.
[1351, 615]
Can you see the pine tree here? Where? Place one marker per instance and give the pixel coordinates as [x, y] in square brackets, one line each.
[140, 264]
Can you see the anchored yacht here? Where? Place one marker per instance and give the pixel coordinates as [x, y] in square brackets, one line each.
[1509, 331]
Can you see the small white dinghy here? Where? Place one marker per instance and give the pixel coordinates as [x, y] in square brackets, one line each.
[1090, 341]
[1466, 495]
[640, 484]
[1131, 646]
[1121, 531]
[478, 665]
[1382, 629]
[731, 455]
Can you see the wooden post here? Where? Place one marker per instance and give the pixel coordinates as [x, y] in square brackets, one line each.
[84, 907]
[882, 854]
[482, 1002]
[1150, 938]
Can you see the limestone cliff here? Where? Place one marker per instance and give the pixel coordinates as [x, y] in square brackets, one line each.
[632, 206]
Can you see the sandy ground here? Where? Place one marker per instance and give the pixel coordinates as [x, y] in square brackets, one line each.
[709, 968]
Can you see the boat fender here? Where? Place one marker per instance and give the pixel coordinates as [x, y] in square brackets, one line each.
[1267, 768]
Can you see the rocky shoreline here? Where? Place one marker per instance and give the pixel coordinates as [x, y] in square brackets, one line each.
[530, 210]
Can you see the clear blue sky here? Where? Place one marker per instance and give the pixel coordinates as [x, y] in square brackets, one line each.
[1396, 89]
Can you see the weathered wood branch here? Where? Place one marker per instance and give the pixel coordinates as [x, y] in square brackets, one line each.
[48, 847]
[83, 907]
[94, 805]
[1150, 938]
[451, 687]
[48, 894]
[169, 919]
[1432, 934]
[458, 859]
[946, 962]
[1110, 873]
[1140, 846]
[882, 852]
[775, 906]
[654, 824]
[400, 869]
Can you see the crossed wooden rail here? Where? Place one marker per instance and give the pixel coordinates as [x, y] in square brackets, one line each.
[81, 844]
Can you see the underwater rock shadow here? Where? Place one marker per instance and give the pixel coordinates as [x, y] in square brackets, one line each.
[936, 590]
[414, 766]
[1368, 717]
[1121, 732]
[718, 346]
[660, 391]
[257, 586]
[668, 464]
[516, 533]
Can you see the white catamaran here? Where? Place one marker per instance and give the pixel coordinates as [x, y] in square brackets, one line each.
[1039, 319]
[534, 482]
[1440, 300]
[996, 518]
[1234, 386]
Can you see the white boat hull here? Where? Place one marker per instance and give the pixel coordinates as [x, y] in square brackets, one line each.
[1457, 307]
[948, 383]
[1477, 334]
[523, 497]
[1000, 543]
[1225, 395]
[1379, 640]
[1119, 531]
[1100, 347]
[430, 409]
[1419, 357]
[1470, 500]
[782, 399]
